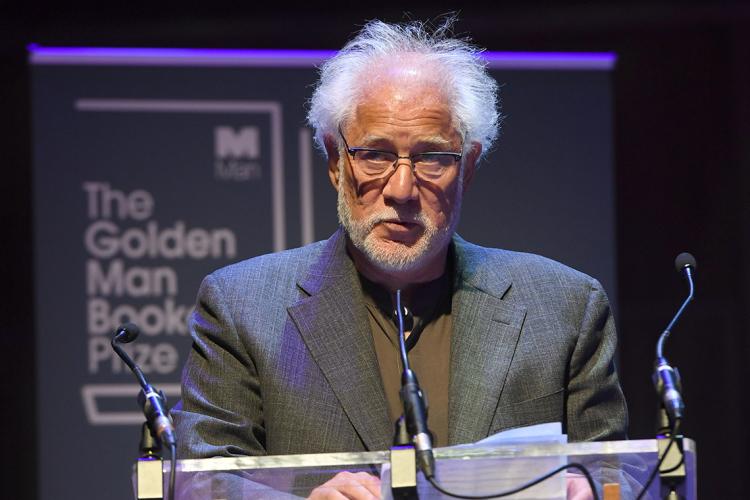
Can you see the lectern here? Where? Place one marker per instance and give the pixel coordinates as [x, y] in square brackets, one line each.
[472, 470]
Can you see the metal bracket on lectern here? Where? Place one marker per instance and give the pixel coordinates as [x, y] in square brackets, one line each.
[404, 472]
[672, 471]
[149, 471]
[149, 478]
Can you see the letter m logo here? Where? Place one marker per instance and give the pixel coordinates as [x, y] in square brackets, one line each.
[231, 143]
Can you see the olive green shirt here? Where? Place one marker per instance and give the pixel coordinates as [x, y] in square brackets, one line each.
[428, 328]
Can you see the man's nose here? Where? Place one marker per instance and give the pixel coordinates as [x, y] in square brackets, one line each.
[401, 187]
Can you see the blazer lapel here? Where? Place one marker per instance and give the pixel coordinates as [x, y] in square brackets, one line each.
[486, 330]
[333, 324]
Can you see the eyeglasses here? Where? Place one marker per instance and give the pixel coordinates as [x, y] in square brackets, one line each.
[430, 165]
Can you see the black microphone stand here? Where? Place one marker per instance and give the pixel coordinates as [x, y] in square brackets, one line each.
[412, 443]
[671, 412]
[156, 431]
[668, 384]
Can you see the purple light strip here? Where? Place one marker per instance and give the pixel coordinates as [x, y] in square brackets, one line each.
[288, 58]
[175, 57]
[551, 60]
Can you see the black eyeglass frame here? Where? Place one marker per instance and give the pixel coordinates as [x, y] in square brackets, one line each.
[352, 152]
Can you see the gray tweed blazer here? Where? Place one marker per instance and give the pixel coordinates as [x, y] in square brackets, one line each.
[283, 359]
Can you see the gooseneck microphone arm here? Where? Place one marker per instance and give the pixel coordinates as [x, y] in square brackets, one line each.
[667, 378]
[669, 388]
[152, 402]
[400, 325]
[125, 334]
[684, 263]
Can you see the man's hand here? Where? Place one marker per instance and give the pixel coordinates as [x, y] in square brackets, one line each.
[577, 487]
[348, 485]
[360, 485]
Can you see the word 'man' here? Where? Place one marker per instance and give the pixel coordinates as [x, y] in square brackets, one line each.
[137, 281]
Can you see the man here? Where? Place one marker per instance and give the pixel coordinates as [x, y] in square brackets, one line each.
[296, 352]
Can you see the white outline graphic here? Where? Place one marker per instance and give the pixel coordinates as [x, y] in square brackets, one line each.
[273, 108]
[306, 205]
[90, 393]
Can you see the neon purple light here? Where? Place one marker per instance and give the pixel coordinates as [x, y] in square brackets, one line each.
[156, 53]
[287, 58]
[551, 60]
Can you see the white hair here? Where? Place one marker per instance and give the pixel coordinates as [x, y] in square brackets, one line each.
[457, 67]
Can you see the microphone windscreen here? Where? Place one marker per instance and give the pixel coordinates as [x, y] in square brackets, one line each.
[127, 333]
[684, 260]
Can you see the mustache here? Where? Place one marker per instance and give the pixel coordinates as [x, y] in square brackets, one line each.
[392, 214]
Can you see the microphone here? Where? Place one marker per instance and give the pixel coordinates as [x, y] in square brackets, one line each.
[686, 265]
[685, 261]
[152, 403]
[666, 378]
[415, 409]
[127, 333]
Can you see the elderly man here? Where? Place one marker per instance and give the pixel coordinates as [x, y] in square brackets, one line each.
[296, 352]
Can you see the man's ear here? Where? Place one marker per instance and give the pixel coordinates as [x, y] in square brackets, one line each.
[332, 150]
[470, 163]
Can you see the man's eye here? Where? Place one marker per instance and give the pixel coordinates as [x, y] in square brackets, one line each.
[376, 156]
[435, 160]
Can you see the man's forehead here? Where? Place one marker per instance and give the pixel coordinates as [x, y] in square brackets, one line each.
[408, 69]
[404, 83]
[390, 103]
[398, 97]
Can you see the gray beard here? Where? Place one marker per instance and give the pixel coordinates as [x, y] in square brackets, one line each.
[394, 256]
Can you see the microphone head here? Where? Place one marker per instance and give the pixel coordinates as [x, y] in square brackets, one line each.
[126, 333]
[684, 260]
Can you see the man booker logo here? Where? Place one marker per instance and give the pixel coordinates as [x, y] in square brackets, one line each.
[237, 153]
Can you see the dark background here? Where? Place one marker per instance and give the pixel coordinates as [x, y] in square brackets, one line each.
[682, 142]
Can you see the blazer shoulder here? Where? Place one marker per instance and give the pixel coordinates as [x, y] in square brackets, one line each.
[278, 267]
[535, 266]
[526, 271]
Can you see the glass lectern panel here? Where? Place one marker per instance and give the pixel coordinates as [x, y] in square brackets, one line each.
[470, 470]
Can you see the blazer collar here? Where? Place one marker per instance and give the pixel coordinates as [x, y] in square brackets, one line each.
[333, 323]
[486, 331]
[474, 269]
